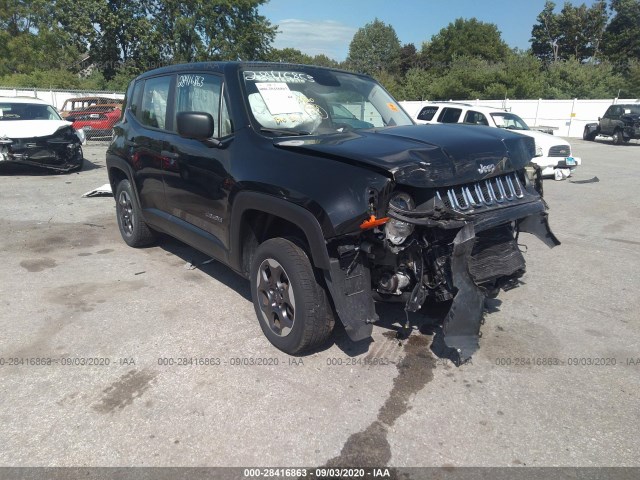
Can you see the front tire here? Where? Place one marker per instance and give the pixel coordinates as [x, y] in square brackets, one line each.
[133, 229]
[589, 136]
[618, 137]
[291, 305]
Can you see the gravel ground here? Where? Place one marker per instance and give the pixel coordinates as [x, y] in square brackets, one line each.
[113, 322]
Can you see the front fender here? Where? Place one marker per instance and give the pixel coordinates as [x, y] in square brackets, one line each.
[245, 201]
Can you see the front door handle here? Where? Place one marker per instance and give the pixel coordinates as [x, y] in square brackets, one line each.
[168, 154]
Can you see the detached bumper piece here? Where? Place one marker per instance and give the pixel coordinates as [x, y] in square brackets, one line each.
[480, 265]
[61, 152]
[461, 326]
[349, 282]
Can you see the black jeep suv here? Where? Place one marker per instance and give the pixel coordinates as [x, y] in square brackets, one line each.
[620, 122]
[247, 163]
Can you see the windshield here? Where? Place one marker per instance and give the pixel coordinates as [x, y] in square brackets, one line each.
[509, 120]
[313, 101]
[27, 111]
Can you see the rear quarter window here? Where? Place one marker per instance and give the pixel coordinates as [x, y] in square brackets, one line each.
[427, 113]
[153, 106]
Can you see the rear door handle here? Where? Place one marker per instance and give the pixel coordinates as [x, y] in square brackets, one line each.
[168, 154]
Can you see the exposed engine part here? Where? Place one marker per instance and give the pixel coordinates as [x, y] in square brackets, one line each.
[393, 284]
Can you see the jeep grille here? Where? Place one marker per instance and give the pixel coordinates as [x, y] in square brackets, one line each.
[493, 192]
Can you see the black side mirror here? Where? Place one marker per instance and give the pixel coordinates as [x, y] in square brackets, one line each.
[198, 126]
[599, 118]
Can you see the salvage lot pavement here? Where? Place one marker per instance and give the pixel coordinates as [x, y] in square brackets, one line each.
[70, 289]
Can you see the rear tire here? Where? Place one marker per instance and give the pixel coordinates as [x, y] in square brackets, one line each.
[133, 229]
[291, 304]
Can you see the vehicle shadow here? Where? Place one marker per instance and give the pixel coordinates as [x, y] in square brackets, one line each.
[392, 316]
[608, 141]
[12, 169]
[214, 269]
[400, 324]
[89, 165]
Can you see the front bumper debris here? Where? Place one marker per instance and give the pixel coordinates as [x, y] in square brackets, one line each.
[461, 326]
[61, 152]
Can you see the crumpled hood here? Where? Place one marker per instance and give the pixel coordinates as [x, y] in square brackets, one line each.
[15, 129]
[425, 155]
[630, 117]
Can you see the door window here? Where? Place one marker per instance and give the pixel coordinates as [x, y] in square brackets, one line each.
[153, 108]
[202, 93]
[611, 112]
[450, 115]
[475, 118]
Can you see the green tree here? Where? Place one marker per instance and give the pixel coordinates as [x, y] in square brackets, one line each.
[409, 58]
[573, 33]
[622, 37]
[234, 30]
[417, 85]
[519, 76]
[293, 55]
[212, 30]
[546, 34]
[27, 40]
[374, 48]
[390, 82]
[523, 77]
[582, 30]
[465, 38]
[323, 61]
[573, 79]
[289, 55]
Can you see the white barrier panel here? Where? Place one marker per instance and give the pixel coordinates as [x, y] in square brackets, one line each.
[567, 117]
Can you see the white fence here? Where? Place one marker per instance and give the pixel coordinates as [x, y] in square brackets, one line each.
[56, 97]
[567, 117]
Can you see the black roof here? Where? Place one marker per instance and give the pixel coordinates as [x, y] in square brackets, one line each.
[222, 67]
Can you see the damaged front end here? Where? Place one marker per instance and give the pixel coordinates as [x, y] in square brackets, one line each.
[455, 243]
[61, 151]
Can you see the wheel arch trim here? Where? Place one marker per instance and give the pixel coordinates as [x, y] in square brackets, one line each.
[299, 216]
[115, 162]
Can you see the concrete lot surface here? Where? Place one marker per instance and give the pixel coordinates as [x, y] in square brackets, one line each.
[72, 293]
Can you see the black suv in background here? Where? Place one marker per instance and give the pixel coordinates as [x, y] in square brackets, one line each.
[249, 163]
[620, 122]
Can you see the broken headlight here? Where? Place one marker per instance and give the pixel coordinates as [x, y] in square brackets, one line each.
[539, 151]
[397, 231]
[81, 136]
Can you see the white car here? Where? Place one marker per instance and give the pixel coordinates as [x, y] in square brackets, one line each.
[552, 153]
[33, 133]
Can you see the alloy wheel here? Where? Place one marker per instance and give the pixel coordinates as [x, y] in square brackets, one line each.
[276, 297]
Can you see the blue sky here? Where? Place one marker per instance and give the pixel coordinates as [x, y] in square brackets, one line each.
[327, 26]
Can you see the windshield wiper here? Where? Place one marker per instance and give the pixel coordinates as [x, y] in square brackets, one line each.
[285, 131]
